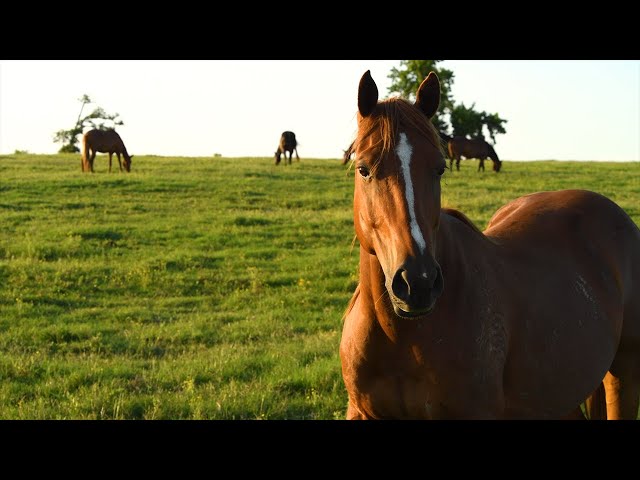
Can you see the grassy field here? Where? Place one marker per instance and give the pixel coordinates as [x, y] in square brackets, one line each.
[201, 288]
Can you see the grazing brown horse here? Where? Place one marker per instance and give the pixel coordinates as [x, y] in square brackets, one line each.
[347, 154]
[288, 144]
[526, 320]
[472, 148]
[103, 141]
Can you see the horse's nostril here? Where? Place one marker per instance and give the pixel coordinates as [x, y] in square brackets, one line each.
[400, 285]
[438, 282]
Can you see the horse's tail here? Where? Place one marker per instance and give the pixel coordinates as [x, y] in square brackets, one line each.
[596, 406]
[296, 144]
[444, 142]
[451, 149]
[85, 155]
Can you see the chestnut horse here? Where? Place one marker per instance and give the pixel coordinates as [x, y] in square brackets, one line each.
[288, 144]
[103, 141]
[472, 148]
[526, 320]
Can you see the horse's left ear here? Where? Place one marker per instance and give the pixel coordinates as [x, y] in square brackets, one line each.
[428, 96]
[367, 94]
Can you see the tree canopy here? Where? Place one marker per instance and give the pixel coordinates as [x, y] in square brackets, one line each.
[98, 119]
[451, 118]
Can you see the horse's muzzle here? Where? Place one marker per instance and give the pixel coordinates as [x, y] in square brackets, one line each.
[415, 289]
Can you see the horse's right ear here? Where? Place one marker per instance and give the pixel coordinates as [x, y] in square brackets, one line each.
[428, 96]
[367, 94]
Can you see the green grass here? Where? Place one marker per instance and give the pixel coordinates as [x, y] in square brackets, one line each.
[201, 288]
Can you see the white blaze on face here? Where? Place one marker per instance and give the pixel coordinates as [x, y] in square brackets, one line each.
[404, 151]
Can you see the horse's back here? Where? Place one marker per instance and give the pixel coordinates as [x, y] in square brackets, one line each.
[565, 209]
[104, 141]
[288, 141]
[579, 233]
[468, 148]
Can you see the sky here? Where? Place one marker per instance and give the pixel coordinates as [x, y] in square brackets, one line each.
[555, 109]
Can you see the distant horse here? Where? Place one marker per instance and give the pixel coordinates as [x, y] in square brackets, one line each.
[530, 319]
[347, 154]
[288, 144]
[472, 148]
[103, 141]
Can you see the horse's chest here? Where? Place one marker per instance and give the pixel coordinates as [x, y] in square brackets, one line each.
[442, 381]
[440, 369]
[425, 396]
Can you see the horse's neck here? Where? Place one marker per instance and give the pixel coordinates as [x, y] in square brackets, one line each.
[458, 245]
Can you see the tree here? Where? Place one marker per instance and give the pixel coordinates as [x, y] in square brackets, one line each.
[96, 119]
[405, 82]
[494, 124]
[451, 118]
[466, 121]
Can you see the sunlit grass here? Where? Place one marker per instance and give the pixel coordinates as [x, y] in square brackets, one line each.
[201, 288]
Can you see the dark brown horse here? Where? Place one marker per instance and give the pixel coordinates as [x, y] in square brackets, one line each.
[526, 320]
[472, 148]
[103, 141]
[288, 144]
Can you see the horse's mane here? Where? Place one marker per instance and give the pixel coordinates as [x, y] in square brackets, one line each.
[352, 302]
[387, 118]
[462, 217]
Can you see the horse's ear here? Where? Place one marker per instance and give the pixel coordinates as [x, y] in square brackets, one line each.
[367, 94]
[428, 97]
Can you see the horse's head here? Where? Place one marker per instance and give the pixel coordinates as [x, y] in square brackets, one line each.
[127, 162]
[398, 163]
[497, 164]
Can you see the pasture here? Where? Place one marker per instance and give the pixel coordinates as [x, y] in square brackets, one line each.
[201, 288]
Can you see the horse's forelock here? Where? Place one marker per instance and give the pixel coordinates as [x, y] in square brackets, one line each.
[383, 125]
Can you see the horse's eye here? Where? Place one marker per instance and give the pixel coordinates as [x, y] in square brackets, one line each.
[364, 172]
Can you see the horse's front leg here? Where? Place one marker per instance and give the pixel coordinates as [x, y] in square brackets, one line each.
[119, 162]
[354, 414]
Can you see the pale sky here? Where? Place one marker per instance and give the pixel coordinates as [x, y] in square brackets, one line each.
[556, 109]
